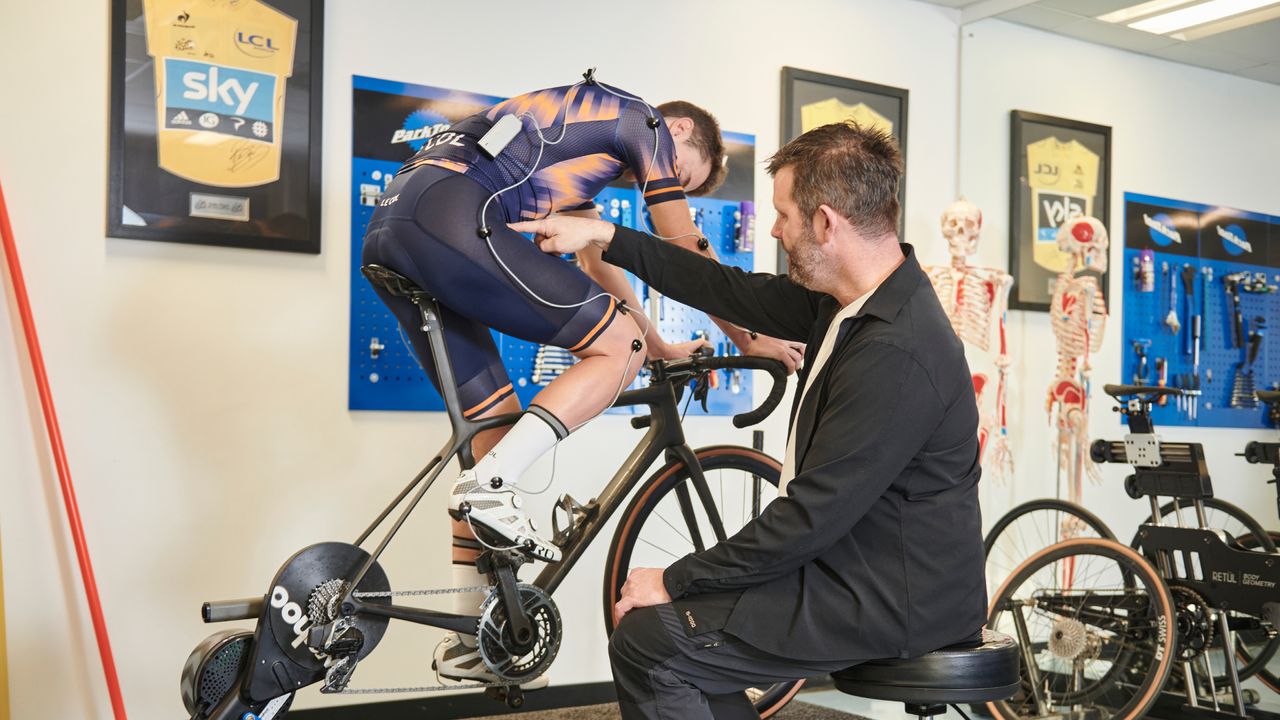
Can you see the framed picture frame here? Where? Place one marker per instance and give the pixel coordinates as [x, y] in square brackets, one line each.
[1059, 168]
[811, 99]
[216, 122]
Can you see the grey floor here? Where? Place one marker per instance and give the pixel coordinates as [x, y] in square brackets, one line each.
[883, 710]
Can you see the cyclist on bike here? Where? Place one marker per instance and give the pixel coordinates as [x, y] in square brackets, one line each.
[442, 222]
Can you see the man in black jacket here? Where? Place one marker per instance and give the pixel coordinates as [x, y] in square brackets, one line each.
[873, 548]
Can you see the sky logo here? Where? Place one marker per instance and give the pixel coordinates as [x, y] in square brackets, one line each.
[219, 89]
[1234, 240]
[1163, 230]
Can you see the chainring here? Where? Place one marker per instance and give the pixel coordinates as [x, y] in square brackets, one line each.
[1195, 625]
[496, 643]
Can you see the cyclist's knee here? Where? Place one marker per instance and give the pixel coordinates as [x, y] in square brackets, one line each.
[619, 340]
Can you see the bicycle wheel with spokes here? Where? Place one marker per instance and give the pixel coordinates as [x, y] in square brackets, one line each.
[1256, 649]
[1030, 527]
[669, 518]
[1099, 648]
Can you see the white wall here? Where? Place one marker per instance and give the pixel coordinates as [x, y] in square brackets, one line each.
[1178, 132]
[202, 390]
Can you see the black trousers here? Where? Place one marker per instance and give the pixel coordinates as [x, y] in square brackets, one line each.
[674, 662]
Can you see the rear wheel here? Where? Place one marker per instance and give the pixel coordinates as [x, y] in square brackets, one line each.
[1031, 527]
[670, 517]
[1101, 647]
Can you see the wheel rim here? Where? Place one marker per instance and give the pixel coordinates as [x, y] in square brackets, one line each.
[1031, 527]
[1101, 647]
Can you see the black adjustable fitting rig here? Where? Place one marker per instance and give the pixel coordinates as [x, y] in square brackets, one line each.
[1267, 453]
[1169, 469]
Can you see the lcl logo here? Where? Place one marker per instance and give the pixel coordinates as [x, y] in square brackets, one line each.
[255, 45]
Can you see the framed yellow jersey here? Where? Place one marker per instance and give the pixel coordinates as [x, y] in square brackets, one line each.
[1060, 169]
[215, 122]
[220, 88]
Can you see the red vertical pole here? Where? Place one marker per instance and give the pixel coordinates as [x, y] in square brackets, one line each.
[60, 459]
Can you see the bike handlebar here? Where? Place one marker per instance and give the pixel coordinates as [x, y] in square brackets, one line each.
[689, 368]
[777, 371]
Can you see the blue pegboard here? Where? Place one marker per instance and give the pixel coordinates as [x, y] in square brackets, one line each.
[1215, 242]
[389, 118]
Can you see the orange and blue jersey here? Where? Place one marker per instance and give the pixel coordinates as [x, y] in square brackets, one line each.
[592, 138]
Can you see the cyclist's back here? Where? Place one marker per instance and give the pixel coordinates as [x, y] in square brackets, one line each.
[599, 133]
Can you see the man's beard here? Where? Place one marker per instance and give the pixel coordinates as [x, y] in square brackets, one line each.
[804, 260]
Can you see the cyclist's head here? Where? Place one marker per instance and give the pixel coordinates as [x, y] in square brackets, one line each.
[699, 148]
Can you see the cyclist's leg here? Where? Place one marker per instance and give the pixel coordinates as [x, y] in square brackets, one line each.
[509, 285]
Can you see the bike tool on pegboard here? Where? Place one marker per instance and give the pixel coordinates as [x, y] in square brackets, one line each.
[1201, 291]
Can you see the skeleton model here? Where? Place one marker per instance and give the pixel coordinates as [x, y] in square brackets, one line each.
[1079, 315]
[976, 298]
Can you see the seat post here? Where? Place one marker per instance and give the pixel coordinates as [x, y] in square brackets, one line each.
[432, 326]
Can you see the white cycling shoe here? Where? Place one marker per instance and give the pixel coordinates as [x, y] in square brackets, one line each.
[500, 511]
[459, 662]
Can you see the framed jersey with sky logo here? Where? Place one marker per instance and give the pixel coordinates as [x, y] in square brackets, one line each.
[215, 122]
[1060, 169]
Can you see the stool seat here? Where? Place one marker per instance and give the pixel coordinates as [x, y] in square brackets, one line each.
[393, 282]
[958, 674]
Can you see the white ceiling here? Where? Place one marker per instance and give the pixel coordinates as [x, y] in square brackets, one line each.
[1252, 52]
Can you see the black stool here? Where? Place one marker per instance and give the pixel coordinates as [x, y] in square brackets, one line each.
[929, 683]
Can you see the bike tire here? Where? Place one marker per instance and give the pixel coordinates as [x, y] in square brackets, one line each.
[1139, 576]
[660, 486]
[1003, 552]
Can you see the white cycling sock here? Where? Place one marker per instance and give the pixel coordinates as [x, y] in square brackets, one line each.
[536, 432]
[465, 575]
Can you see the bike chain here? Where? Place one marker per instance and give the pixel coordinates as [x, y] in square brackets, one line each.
[422, 688]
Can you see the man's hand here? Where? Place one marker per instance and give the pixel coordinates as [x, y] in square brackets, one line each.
[659, 349]
[790, 353]
[559, 234]
[643, 588]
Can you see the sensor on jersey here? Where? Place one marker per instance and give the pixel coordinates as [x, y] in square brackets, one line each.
[500, 135]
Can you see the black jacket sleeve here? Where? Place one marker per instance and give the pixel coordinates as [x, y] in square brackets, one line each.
[880, 410]
[770, 304]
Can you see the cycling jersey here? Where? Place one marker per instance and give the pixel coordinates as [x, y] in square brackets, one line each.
[598, 136]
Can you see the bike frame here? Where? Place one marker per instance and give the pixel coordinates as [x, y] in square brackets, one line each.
[665, 435]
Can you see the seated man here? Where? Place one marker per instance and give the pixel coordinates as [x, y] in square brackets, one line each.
[442, 222]
[873, 547]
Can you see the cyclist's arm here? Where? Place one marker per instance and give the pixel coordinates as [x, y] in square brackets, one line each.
[610, 277]
[882, 408]
[655, 174]
[614, 281]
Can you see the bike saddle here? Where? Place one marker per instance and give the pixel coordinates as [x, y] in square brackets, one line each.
[393, 282]
[1270, 397]
[1150, 392]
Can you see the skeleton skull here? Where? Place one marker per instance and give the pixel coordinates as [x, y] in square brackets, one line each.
[1085, 238]
[961, 226]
